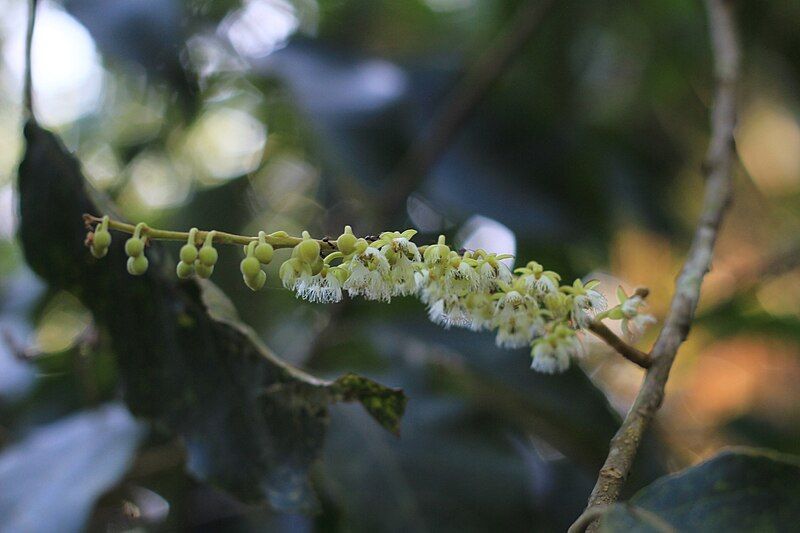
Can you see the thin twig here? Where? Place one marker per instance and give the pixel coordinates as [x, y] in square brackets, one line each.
[27, 90]
[462, 101]
[717, 167]
[623, 348]
[278, 240]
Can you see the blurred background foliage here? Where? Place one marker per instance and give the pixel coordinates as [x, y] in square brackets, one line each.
[295, 114]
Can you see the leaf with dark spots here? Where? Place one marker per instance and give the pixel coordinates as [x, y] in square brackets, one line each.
[738, 490]
[385, 405]
[252, 424]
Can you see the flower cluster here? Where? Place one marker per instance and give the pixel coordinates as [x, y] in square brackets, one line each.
[471, 289]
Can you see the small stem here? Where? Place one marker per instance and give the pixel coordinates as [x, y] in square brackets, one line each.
[220, 237]
[623, 348]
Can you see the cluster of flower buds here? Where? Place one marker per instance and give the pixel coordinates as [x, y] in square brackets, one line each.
[472, 289]
[197, 261]
[256, 253]
[134, 248]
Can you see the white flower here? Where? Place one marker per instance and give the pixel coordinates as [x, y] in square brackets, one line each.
[633, 328]
[369, 276]
[449, 311]
[325, 287]
[517, 319]
[538, 280]
[491, 272]
[546, 284]
[291, 271]
[429, 286]
[634, 322]
[553, 353]
[591, 302]
[630, 307]
[586, 301]
[547, 359]
[460, 279]
[480, 308]
[404, 260]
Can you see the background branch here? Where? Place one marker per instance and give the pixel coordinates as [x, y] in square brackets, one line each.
[27, 89]
[717, 167]
[461, 103]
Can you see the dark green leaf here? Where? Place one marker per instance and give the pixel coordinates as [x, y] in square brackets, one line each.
[741, 489]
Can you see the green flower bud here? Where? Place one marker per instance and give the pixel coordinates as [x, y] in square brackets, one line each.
[208, 256]
[250, 267]
[308, 250]
[98, 253]
[137, 265]
[347, 241]
[361, 246]
[188, 253]
[202, 270]
[102, 239]
[263, 252]
[256, 282]
[184, 270]
[134, 247]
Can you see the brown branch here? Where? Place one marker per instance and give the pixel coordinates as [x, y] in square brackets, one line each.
[623, 348]
[462, 101]
[590, 515]
[717, 167]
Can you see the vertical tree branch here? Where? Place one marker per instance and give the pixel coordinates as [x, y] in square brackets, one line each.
[717, 168]
[27, 88]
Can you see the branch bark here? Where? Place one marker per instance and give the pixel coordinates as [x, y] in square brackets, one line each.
[717, 168]
[27, 89]
[627, 351]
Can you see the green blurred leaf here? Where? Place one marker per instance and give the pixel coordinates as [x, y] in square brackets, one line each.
[741, 489]
[742, 315]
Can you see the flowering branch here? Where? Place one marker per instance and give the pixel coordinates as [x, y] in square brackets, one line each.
[472, 289]
[717, 168]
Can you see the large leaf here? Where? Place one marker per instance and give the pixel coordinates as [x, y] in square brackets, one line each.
[738, 490]
[252, 424]
[52, 478]
[466, 461]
